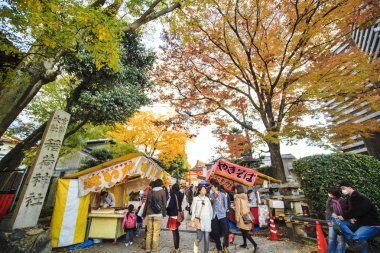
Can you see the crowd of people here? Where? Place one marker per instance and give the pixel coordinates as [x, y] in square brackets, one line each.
[208, 205]
[352, 220]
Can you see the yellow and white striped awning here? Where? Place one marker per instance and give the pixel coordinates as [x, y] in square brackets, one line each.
[72, 199]
[69, 218]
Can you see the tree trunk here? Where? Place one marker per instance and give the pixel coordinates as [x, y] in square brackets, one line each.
[21, 86]
[13, 158]
[276, 162]
[373, 145]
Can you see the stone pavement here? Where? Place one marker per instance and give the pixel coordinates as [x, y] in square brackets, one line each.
[187, 238]
[186, 245]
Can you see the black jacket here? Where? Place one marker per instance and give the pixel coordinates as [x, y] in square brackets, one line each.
[172, 210]
[362, 209]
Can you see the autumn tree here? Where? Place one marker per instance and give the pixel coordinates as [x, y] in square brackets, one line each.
[237, 144]
[155, 135]
[34, 36]
[266, 65]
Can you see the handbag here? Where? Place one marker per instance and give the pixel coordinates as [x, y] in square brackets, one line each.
[180, 216]
[248, 218]
[196, 223]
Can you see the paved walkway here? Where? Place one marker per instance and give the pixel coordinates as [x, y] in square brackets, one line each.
[187, 237]
[186, 245]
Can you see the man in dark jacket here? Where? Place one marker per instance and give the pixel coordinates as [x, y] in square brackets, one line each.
[361, 213]
[157, 194]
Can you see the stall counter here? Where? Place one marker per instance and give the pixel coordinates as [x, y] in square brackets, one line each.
[106, 225]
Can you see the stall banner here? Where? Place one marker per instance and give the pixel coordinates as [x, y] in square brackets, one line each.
[68, 224]
[235, 172]
[111, 175]
[227, 183]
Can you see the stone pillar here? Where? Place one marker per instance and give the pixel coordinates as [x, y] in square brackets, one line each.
[34, 191]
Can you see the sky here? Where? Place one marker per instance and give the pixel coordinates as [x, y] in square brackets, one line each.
[203, 146]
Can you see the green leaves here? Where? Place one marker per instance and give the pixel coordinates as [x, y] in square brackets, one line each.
[317, 173]
[58, 25]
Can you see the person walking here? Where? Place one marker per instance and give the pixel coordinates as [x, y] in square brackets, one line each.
[154, 211]
[189, 196]
[241, 209]
[219, 223]
[335, 206]
[202, 210]
[143, 202]
[173, 209]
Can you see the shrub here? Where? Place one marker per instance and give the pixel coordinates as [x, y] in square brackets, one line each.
[317, 173]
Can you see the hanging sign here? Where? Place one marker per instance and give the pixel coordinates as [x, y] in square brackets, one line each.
[228, 184]
[235, 172]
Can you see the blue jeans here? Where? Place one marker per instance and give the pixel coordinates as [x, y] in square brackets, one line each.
[336, 242]
[363, 233]
[129, 235]
[200, 235]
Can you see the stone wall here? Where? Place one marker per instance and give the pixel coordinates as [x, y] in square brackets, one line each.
[29, 240]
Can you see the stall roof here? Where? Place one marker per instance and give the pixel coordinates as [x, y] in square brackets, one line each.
[107, 164]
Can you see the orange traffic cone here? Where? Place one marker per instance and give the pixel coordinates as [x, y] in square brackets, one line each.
[322, 244]
[273, 230]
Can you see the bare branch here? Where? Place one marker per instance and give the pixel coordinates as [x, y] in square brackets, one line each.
[145, 19]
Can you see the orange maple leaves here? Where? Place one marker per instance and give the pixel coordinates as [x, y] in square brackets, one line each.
[265, 65]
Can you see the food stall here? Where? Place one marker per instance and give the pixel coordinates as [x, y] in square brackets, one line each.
[78, 194]
[229, 174]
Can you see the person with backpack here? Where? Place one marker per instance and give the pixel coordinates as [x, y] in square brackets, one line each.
[154, 212]
[174, 211]
[129, 224]
[143, 202]
[243, 216]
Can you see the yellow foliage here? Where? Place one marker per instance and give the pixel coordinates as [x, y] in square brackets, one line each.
[154, 134]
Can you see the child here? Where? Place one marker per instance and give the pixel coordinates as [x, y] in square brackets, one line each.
[129, 224]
